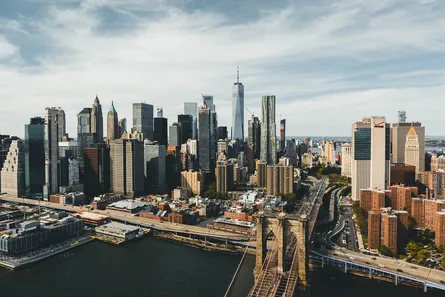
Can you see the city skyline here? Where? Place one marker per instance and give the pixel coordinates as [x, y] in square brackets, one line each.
[336, 61]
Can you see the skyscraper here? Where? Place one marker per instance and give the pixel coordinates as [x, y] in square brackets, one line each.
[398, 140]
[282, 134]
[97, 121]
[174, 132]
[154, 167]
[96, 170]
[238, 109]
[268, 131]
[222, 132]
[160, 128]
[55, 129]
[35, 157]
[112, 123]
[186, 122]
[204, 138]
[371, 155]
[412, 149]
[122, 127]
[254, 131]
[127, 167]
[224, 176]
[84, 121]
[13, 171]
[143, 119]
[346, 159]
[191, 108]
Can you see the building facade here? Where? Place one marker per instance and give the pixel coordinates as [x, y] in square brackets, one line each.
[191, 108]
[279, 179]
[412, 149]
[346, 160]
[13, 171]
[254, 131]
[224, 177]
[187, 126]
[204, 141]
[143, 119]
[55, 129]
[96, 170]
[112, 123]
[35, 157]
[238, 109]
[399, 132]
[371, 155]
[154, 167]
[175, 134]
[126, 162]
[97, 121]
[160, 130]
[268, 152]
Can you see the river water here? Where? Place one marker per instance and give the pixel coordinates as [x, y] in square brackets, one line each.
[153, 267]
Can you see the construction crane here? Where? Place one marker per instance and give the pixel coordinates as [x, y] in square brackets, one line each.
[251, 113]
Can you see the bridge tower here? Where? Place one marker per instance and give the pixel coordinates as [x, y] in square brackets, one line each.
[284, 227]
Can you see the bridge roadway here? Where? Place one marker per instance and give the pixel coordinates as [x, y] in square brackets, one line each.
[394, 266]
[135, 220]
[270, 281]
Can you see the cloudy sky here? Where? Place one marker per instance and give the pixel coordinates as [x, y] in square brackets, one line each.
[328, 62]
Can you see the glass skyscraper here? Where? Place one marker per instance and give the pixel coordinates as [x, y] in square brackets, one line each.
[35, 157]
[204, 141]
[143, 119]
[191, 108]
[238, 110]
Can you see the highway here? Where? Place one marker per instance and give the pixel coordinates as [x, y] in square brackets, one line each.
[135, 220]
[389, 264]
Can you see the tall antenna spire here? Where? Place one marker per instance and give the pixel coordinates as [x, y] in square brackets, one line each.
[237, 73]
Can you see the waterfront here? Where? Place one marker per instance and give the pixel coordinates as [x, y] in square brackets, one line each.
[154, 267]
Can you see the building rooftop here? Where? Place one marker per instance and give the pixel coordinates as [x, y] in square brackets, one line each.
[128, 204]
[91, 216]
[116, 227]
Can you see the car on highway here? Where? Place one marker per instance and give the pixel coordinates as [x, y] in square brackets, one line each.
[381, 265]
[374, 258]
[399, 270]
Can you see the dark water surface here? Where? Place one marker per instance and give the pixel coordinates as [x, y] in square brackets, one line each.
[151, 267]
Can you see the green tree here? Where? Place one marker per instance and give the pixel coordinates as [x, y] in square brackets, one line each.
[422, 255]
[443, 261]
[412, 248]
[385, 251]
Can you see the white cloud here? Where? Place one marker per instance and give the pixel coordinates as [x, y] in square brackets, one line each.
[170, 54]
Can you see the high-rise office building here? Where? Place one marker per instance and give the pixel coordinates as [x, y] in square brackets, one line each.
[55, 129]
[238, 109]
[160, 129]
[159, 112]
[213, 137]
[13, 171]
[268, 130]
[112, 123]
[96, 170]
[154, 167]
[186, 122]
[346, 160]
[291, 152]
[329, 152]
[143, 119]
[204, 141]
[175, 134]
[84, 121]
[127, 167]
[412, 149]
[399, 133]
[222, 133]
[207, 100]
[191, 108]
[282, 134]
[254, 134]
[35, 157]
[224, 176]
[122, 127]
[371, 155]
[97, 121]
